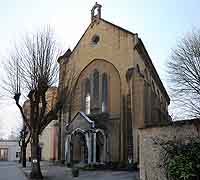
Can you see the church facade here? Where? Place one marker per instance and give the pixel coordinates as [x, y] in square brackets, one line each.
[117, 91]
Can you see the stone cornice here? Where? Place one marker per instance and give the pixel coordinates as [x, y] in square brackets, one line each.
[195, 122]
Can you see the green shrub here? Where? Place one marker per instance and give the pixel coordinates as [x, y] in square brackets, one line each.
[180, 160]
[181, 167]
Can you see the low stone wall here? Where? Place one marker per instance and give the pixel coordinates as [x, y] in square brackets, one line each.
[150, 152]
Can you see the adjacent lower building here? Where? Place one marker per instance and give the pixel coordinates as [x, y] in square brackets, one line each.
[48, 140]
[9, 150]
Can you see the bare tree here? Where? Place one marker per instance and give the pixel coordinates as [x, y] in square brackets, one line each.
[32, 68]
[184, 73]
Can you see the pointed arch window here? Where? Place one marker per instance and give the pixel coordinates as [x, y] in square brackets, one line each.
[153, 87]
[96, 87]
[104, 105]
[87, 104]
[87, 96]
[138, 68]
[146, 74]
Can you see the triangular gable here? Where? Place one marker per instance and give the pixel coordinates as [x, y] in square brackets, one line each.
[139, 47]
[87, 29]
[80, 121]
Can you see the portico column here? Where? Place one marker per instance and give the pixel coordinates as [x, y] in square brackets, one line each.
[88, 141]
[69, 149]
[66, 148]
[104, 149]
[94, 147]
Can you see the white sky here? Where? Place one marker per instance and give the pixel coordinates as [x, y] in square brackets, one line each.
[158, 23]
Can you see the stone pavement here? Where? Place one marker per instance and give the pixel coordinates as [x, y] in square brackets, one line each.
[56, 172]
[10, 171]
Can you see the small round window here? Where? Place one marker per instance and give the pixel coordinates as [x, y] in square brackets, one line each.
[95, 39]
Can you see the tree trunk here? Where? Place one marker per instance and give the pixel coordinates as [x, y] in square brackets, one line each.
[24, 155]
[59, 136]
[35, 163]
[20, 157]
[23, 151]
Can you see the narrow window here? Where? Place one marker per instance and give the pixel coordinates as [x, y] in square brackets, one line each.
[96, 87]
[87, 104]
[104, 105]
[83, 95]
[138, 68]
[87, 96]
[158, 93]
[146, 74]
[153, 87]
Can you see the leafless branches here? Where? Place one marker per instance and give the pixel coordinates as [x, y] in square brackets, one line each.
[184, 73]
[32, 68]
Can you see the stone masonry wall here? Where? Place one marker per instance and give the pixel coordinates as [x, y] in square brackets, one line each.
[150, 152]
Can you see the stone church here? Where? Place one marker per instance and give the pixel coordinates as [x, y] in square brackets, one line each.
[118, 91]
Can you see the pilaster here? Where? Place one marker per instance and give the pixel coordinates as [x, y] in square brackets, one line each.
[94, 147]
[88, 141]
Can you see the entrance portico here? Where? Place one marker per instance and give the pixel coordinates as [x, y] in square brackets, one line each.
[84, 142]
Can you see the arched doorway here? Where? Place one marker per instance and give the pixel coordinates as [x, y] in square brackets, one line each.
[79, 147]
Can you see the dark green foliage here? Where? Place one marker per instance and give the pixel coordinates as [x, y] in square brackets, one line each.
[181, 160]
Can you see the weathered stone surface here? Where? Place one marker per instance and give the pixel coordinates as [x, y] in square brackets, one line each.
[150, 152]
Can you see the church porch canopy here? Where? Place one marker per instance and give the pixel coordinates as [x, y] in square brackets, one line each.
[81, 124]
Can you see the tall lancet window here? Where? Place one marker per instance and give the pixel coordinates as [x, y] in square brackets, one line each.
[96, 88]
[87, 96]
[104, 105]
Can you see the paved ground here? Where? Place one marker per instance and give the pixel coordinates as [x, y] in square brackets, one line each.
[9, 171]
[56, 172]
[60, 173]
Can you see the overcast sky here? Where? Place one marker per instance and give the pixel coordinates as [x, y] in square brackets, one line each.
[159, 23]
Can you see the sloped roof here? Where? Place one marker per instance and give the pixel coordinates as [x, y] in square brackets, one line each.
[84, 116]
[119, 27]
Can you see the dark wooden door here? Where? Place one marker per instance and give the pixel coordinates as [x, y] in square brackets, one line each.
[3, 154]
